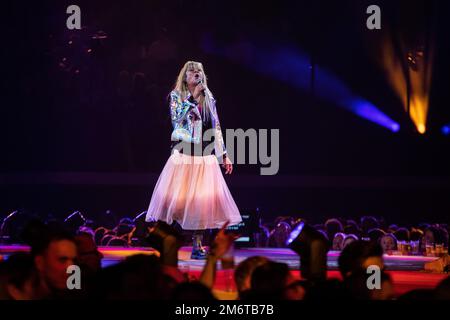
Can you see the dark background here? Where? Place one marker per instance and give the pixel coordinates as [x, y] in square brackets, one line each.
[97, 138]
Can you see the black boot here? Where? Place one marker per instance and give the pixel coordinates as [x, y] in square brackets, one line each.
[198, 252]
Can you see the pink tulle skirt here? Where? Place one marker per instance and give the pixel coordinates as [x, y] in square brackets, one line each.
[192, 191]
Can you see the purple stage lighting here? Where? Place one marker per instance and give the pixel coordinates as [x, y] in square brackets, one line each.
[446, 130]
[289, 65]
[368, 111]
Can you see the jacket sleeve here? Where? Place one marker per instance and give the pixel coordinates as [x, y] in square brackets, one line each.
[178, 108]
[220, 143]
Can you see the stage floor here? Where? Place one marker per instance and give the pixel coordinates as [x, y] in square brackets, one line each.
[406, 271]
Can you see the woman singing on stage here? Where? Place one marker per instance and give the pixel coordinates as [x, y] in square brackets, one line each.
[191, 189]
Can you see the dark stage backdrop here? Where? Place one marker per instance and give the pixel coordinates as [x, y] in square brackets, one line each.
[84, 117]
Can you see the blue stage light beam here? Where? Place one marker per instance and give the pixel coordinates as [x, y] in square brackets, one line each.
[293, 67]
[446, 130]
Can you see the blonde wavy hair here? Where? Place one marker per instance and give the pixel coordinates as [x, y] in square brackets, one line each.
[182, 89]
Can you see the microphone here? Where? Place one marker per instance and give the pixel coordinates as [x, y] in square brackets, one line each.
[200, 81]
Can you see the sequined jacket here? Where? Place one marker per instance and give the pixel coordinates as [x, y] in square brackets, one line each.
[187, 122]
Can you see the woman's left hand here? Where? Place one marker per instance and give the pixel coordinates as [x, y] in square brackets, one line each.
[227, 165]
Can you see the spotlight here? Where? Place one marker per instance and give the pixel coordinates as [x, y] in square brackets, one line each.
[412, 61]
[421, 128]
[312, 247]
[395, 127]
[446, 130]
[414, 56]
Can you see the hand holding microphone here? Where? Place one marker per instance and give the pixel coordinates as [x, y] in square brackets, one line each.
[200, 88]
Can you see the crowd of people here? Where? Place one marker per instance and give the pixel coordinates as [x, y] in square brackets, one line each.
[42, 273]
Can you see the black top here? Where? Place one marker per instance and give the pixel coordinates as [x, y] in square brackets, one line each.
[195, 149]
